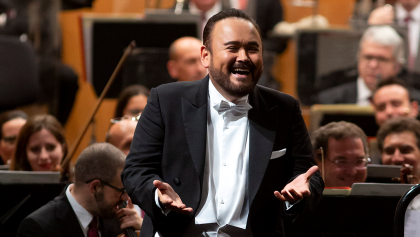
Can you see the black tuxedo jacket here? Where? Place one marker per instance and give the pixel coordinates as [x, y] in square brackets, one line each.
[170, 145]
[57, 218]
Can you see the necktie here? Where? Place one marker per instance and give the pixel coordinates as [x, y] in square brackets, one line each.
[93, 228]
[241, 107]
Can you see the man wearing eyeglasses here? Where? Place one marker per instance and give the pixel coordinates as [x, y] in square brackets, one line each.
[89, 207]
[399, 143]
[380, 56]
[341, 151]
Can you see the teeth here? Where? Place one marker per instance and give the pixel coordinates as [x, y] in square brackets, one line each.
[241, 70]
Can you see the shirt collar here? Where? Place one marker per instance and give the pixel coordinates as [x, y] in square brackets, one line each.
[82, 214]
[363, 92]
[216, 97]
[401, 13]
[212, 11]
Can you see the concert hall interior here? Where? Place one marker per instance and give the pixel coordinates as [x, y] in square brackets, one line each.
[78, 72]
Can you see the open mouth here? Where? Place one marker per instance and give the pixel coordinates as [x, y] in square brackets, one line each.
[240, 71]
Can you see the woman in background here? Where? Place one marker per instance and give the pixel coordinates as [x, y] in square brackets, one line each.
[132, 101]
[41, 145]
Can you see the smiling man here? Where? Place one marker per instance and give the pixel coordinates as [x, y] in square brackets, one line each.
[222, 156]
[90, 206]
[345, 151]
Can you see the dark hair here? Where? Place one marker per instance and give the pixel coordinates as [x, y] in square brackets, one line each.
[228, 13]
[10, 115]
[126, 95]
[98, 161]
[338, 131]
[33, 125]
[393, 81]
[398, 125]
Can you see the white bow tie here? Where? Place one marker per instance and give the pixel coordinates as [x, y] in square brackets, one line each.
[241, 107]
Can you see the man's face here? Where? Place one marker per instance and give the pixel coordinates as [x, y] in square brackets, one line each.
[409, 4]
[187, 66]
[401, 148]
[235, 62]
[108, 199]
[204, 5]
[375, 61]
[393, 101]
[8, 142]
[344, 173]
[121, 134]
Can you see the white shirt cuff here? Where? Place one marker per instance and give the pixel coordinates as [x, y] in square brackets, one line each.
[164, 210]
[288, 205]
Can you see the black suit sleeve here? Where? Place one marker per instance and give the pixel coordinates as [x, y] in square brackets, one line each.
[30, 228]
[143, 163]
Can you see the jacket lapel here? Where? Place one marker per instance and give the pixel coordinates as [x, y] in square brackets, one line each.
[65, 214]
[262, 129]
[194, 115]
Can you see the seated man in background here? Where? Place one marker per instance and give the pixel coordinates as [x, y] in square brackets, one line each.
[393, 99]
[345, 151]
[121, 134]
[381, 55]
[90, 206]
[185, 60]
[399, 143]
[10, 124]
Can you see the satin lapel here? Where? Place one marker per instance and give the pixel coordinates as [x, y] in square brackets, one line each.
[262, 133]
[68, 221]
[194, 114]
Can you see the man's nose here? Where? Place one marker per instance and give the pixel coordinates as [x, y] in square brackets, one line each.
[374, 63]
[389, 111]
[351, 170]
[242, 55]
[397, 157]
[124, 196]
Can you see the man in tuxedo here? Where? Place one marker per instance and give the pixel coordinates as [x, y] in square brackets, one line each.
[222, 156]
[90, 206]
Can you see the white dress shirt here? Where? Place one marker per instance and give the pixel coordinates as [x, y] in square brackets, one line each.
[83, 216]
[363, 93]
[413, 25]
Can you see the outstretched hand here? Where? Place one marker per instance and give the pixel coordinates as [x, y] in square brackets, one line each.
[298, 188]
[170, 199]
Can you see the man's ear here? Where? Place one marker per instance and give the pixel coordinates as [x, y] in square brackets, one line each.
[205, 56]
[95, 186]
[172, 69]
[414, 111]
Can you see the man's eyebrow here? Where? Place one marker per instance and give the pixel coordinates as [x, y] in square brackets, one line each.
[255, 43]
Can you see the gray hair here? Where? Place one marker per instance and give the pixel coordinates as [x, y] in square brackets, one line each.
[387, 36]
[98, 161]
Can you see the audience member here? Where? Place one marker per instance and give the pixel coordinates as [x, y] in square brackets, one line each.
[399, 143]
[10, 124]
[185, 60]
[345, 150]
[381, 55]
[393, 99]
[132, 101]
[406, 13]
[90, 206]
[41, 145]
[121, 133]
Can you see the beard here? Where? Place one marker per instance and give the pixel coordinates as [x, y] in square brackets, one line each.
[223, 80]
[105, 209]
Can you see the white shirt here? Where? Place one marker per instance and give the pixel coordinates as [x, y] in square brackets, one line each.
[363, 92]
[413, 25]
[83, 216]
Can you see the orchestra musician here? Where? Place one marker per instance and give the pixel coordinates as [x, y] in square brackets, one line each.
[222, 154]
[90, 206]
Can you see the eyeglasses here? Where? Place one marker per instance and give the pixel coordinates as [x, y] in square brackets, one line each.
[404, 149]
[122, 190]
[11, 139]
[345, 163]
[380, 60]
[125, 117]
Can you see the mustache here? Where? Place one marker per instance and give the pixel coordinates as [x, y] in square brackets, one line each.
[243, 65]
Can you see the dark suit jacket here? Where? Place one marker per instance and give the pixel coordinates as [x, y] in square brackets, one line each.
[170, 145]
[342, 94]
[57, 218]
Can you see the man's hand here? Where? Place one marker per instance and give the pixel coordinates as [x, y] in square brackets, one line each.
[129, 217]
[298, 188]
[170, 199]
[382, 16]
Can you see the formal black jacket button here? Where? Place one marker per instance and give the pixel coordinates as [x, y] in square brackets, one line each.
[177, 182]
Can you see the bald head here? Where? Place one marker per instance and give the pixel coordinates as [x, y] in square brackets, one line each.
[121, 135]
[185, 62]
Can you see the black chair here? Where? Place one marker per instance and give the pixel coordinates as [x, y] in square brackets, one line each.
[18, 73]
[401, 209]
